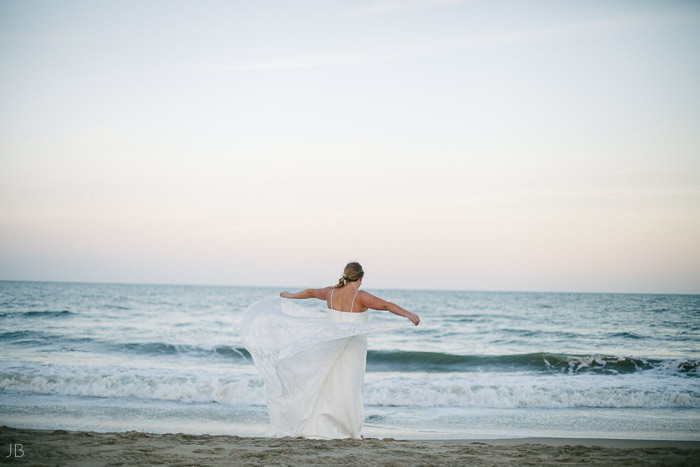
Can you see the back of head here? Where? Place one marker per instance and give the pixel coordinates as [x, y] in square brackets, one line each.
[352, 272]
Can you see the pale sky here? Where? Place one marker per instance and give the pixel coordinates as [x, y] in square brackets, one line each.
[444, 144]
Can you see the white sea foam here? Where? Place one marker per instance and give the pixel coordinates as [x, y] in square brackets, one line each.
[238, 389]
[515, 391]
[415, 390]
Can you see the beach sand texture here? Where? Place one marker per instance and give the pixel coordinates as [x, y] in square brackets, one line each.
[84, 448]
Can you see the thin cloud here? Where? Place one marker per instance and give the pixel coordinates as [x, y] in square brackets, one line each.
[394, 6]
[439, 46]
[293, 63]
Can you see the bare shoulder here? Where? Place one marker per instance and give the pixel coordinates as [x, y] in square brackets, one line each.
[371, 301]
[323, 294]
[363, 294]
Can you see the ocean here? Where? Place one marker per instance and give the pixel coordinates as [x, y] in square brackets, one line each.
[168, 358]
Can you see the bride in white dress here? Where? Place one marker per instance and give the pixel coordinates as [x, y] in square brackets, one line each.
[313, 364]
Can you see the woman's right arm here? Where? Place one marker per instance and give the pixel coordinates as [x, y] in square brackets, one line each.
[376, 303]
[321, 294]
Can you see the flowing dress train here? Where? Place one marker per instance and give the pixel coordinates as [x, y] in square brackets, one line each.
[313, 366]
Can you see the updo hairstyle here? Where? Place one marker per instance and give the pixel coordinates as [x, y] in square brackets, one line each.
[352, 272]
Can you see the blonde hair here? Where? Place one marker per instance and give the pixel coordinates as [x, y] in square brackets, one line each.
[352, 272]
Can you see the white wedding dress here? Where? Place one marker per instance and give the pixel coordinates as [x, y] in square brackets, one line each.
[313, 365]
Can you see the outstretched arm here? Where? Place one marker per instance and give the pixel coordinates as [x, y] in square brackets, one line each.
[321, 294]
[376, 303]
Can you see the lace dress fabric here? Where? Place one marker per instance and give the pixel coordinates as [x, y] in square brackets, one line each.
[313, 366]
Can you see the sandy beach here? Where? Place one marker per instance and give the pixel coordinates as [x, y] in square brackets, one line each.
[84, 448]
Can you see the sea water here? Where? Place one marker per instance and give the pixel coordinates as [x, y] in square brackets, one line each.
[168, 358]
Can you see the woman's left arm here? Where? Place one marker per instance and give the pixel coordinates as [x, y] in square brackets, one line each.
[321, 294]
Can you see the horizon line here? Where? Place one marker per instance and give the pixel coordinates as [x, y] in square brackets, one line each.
[375, 288]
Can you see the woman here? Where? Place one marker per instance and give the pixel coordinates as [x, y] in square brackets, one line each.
[313, 363]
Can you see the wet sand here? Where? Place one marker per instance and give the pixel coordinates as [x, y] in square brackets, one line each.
[83, 448]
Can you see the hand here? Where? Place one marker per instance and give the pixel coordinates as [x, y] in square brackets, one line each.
[413, 318]
[286, 294]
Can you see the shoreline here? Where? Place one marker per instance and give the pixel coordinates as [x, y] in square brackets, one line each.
[62, 447]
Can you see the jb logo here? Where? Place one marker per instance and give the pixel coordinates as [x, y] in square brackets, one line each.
[18, 450]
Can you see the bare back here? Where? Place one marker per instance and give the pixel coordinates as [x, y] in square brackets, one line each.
[345, 299]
